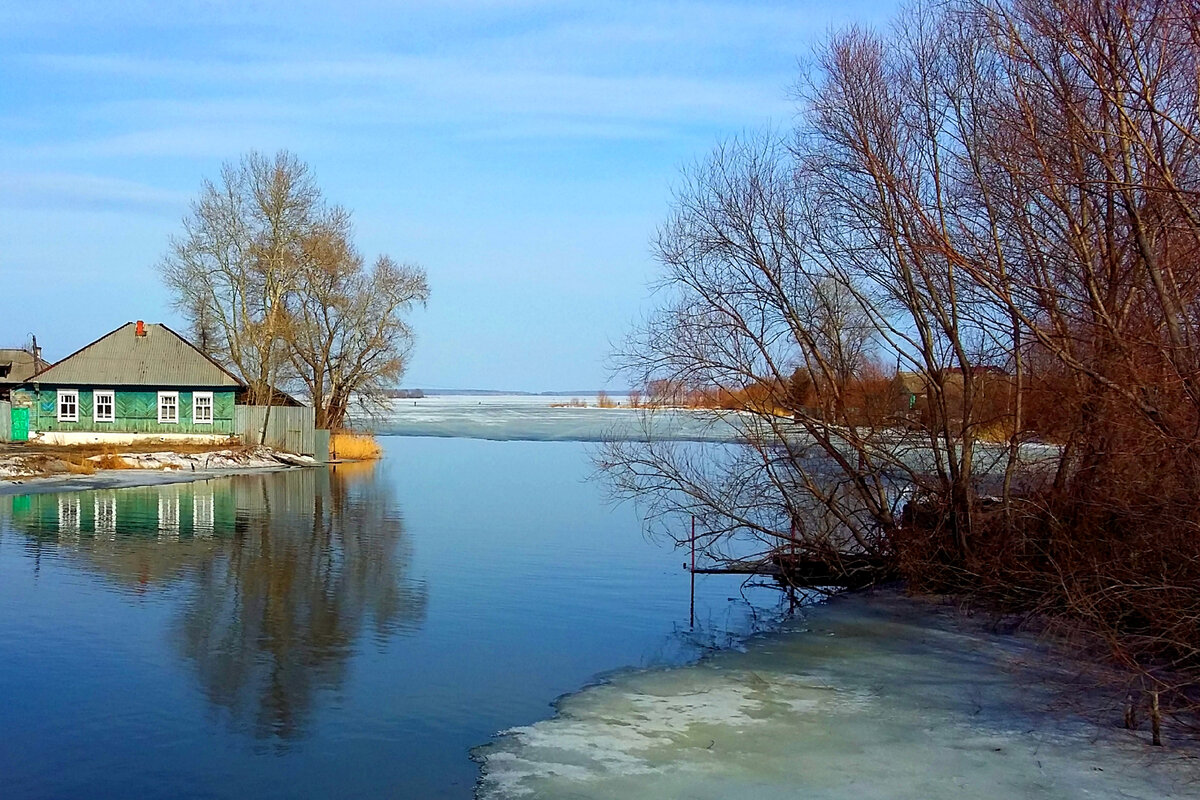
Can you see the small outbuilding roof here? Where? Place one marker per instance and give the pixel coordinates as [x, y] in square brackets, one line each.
[16, 365]
[138, 354]
[912, 382]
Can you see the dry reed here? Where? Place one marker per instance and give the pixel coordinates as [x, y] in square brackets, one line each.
[111, 461]
[354, 446]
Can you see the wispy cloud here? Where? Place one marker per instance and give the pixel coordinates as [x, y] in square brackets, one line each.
[270, 101]
[59, 189]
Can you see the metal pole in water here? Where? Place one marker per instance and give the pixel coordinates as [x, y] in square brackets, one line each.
[692, 623]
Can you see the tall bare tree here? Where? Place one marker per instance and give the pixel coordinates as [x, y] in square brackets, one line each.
[996, 185]
[347, 337]
[272, 286]
[231, 268]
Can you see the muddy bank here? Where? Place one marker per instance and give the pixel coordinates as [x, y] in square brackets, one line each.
[41, 472]
[869, 695]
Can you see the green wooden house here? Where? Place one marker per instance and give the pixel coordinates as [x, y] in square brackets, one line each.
[139, 381]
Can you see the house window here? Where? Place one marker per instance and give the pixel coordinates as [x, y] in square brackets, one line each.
[68, 405]
[104, 405]
[168, 406]
[202, 408]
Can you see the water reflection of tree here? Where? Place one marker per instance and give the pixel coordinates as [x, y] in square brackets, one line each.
[276, 617]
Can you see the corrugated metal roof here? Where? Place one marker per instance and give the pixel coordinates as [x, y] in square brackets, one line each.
[122, 358]
[20, 362]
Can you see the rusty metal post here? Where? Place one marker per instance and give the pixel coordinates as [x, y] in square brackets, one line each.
[692, 615]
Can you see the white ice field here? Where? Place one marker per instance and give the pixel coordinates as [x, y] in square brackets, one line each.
[537, 418]
[867, 697]
[543, 418]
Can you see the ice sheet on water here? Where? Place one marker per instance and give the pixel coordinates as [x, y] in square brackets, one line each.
[535, 418]
[878, 698]
[541, 418]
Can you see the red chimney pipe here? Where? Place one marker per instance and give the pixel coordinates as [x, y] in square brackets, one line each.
[141, 328]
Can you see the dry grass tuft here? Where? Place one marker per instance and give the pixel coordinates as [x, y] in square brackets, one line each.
[354, 446]
[79, 466]
[997, 432]
[111, 461]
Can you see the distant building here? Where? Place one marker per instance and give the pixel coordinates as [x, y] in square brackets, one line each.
[914, 394]
[139, 381]
[910, 391]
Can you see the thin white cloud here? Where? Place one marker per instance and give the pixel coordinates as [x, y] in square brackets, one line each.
[482, 70]
[25, 189]
[210, 141]
[383, 89]
[558, 128]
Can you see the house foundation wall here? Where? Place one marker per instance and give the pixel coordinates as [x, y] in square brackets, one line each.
[91, 437]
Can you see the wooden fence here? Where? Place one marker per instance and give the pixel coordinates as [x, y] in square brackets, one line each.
[290, 429]
[5, 421]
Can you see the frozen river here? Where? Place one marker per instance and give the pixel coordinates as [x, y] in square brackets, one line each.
[318, 634]
[541, 419]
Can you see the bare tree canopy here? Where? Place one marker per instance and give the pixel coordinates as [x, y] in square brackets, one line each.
[268, 277]
[1000, 196]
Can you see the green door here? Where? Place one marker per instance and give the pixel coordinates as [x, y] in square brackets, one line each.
[20, 424]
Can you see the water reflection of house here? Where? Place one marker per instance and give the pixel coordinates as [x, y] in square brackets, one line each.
[275, 576]
[136, 537]
[202, 509]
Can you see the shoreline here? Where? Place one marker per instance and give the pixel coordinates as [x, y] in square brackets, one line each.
[948, 706]
[42, 472]
[123, 479]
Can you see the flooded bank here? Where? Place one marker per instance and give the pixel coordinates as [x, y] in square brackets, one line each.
[867, 696]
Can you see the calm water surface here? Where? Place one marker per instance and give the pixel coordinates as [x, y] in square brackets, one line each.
[314, 633]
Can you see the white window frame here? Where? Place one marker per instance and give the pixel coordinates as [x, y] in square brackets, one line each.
[195, 408]
[105, 515]
[63, 394]
[69, 514]
[203, 506]
[168, 516]
[112, 405]
[174, 396]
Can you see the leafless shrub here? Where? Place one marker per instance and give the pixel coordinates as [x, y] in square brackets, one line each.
[1002, 196]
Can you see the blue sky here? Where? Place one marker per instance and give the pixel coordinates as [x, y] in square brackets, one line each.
[523, 152]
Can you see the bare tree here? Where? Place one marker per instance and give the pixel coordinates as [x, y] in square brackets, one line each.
[1003, 193]
[347, 337]
[238, 256]
[989, 187]
[272, 286]
[750, 298]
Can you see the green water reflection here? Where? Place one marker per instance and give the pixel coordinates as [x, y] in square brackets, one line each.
[280, 576]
